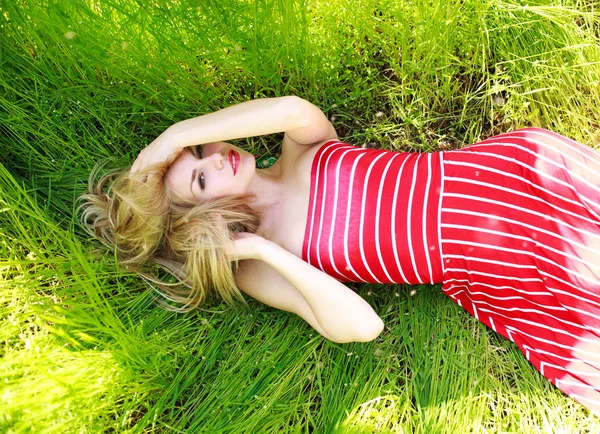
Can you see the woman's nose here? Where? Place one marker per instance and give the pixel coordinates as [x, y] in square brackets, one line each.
[216, 160]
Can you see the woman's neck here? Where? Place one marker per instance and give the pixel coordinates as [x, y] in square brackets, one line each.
[267, 188]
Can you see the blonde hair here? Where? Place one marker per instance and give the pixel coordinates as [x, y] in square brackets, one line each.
[140, 218]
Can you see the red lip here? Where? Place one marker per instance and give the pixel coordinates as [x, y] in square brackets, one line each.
[234, 161]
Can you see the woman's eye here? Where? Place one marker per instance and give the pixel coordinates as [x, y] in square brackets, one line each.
[201, 181]
[196, 151]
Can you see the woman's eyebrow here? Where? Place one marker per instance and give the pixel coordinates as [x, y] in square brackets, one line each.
[192, 183]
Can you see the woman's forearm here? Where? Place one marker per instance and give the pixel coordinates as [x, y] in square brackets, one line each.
[248, 119]
[342, 313]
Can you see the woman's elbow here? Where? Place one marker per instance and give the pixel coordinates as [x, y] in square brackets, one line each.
[366, 331]
[370, 331]
[297, 109]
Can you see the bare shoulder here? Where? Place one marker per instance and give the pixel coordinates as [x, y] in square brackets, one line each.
[285, 223]
[297, 159]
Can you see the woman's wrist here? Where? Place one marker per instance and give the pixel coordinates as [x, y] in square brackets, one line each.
[267, 249]
[264, 250]
[175, 136]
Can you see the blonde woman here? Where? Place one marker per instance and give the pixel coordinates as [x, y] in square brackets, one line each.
[509, 226]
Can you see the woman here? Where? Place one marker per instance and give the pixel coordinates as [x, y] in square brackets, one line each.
[509, 226]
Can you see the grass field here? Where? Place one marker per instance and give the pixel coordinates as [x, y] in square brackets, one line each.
[84, 347]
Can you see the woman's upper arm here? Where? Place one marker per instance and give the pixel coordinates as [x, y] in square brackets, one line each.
[263, 283]
[315, 128]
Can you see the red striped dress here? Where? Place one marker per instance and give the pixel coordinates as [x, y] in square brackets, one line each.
[509, 226]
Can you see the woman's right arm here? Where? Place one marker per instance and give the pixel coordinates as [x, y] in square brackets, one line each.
[280, 279]
[302, 122]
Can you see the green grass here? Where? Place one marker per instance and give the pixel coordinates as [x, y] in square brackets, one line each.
[85, 348]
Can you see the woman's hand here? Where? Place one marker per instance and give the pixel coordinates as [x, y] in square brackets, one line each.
[162, 149]
[246, 246]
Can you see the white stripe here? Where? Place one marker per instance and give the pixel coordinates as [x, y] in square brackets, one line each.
[408, 220]
[439, 217]
[522, 194]
[570, 294]
[492, 261]
[576, 372]
[519, 178]
[553, 343]
[518, 237]
[526, 253]
[496, 276]
[509, 332]
[529, 300]
[539, 312]
[537, 172]
[592, 363]
[584, 312]
[563, 141]
[323, 202]
[585, 151]
[579, 148]
[335, 203]
[351, 182]
[525, 210]
[553, 329]
[560, 141]
[493, 324]
[583, 400]
[424, 219]
[378, 215]
[362, 218]
[314, 205]
[519, 223]
[451, 286]
[570, 173]
[533, 279]
[393, 231]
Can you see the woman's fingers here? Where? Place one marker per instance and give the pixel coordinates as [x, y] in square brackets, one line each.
[139, 163]
[135, 167]
[244, 246]
[161, 150]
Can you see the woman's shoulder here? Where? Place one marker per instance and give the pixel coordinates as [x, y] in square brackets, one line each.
[300, 157]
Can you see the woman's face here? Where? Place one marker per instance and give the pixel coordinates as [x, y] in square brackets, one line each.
[211, 171]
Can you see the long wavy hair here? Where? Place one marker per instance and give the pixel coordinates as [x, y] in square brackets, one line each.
[140, 219]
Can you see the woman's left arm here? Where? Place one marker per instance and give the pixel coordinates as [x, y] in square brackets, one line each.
[302, 122]
[280, 279]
